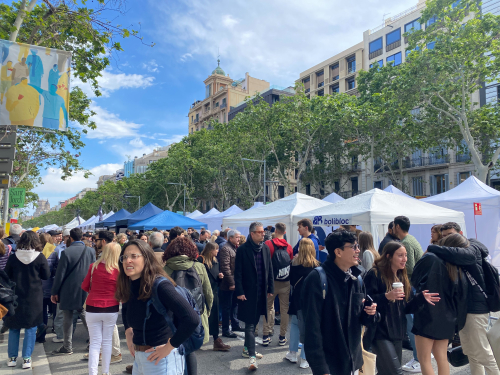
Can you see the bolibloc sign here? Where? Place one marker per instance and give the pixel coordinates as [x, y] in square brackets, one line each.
[328, 221]
[34, 86]
[16, 197]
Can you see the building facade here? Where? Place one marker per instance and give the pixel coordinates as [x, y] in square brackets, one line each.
[42, 207]
[221, 92]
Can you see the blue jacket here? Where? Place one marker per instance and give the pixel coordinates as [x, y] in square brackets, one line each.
[314, 239]
[52, 260]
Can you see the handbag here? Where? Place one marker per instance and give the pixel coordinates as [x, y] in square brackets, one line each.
[494, 338]
[369, 360]
[455, 354]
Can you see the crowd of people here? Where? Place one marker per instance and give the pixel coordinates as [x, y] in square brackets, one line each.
[178, 288]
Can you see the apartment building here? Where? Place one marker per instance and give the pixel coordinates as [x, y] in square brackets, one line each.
[140, 164]
[42, 207]
[221, 92]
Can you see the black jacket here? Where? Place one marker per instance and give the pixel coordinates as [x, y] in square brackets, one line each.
[470, 259]
[245, 280]
[388, 238]
[221, 241]
[438, 321]
[200, 246]
[297, 276]
[331, 349]
[393, 319]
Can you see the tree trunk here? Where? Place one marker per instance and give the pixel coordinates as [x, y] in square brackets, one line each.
[23, 9]
[482, 172]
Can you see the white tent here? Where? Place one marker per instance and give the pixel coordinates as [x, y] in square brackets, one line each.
[394, 190]
[48, 227]
[487, 225]
[374, 209]
[210, 213]
[91, 224]
[215, 222]
[83, 225]
[333, 198]
[256, 204]
[282, 210]
[194, 214]
[73, 223]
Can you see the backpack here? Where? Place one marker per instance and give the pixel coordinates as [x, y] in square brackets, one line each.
[13, 243]
[281, 263]
[190, 280]
[195, 341]
[492, 283]
[324, 282]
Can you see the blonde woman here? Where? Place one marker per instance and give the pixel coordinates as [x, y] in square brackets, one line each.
[302, 264]
[121, 239]
[213, 238]
[101, 306]
[368, 253]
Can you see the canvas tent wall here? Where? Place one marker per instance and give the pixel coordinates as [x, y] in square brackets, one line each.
[462, 198]
[374, 209]
[166, 220]
[84, 224]
[282, 210]
[194, 214]
[210, 213]
[215, 222]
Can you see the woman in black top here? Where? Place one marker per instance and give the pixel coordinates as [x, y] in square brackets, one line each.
[150, 339]
[209, 259]
[389, 332]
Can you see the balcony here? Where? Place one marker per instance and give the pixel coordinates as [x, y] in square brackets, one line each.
[392, 46]
[424, 161]
[462, 158]
[223, 105]
[196, 120]
[375, 53]
[349, 194]
[354, 167]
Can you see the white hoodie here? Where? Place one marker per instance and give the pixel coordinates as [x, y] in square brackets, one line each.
[27, 256]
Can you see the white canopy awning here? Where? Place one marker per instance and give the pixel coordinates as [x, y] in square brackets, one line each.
[194, 214]
[282, 210]
[375, 209]
[394, 190]
[333, 198]
[215, 222]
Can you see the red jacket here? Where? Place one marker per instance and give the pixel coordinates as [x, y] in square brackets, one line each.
[103, 288]
[278, 242]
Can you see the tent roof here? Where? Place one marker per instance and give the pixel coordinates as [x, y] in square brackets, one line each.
[210, 213]
[50, 227]
[86, 222]
[214, 222]
[333, 198]
[111, 220]
[394, 190]
[141, 214]
[256, 204]
[194, 214]
[470, 191]
[73, 223]
[167, 220]
[379, 207]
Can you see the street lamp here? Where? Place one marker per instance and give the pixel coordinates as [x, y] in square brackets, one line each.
[260, 161]
[176, 183]
[133, 196]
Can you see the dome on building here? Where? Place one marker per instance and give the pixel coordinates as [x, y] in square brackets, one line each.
[218, 70]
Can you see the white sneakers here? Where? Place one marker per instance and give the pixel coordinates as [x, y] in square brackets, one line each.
[291, 356]
[253, 364]
[27, 363]
[12, 362]
[412, 366]
[55, 339]
[303, 363]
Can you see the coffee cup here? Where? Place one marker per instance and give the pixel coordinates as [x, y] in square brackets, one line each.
[398, 285]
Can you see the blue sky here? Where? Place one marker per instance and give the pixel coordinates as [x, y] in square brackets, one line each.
[148, 90]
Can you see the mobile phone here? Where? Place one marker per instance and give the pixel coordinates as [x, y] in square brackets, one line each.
[368, 301]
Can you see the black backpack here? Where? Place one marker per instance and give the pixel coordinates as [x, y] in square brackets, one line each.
[190, 280]
[492, 283]
[281, 263]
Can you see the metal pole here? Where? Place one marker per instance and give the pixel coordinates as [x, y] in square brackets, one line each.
[6, 207]
[139, 201]
[264, 182]
[184, 199]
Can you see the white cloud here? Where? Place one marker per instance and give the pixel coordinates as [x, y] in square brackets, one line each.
[272, 40]
[109, 125]
[54, 186]
[152, 66]
[109, 82]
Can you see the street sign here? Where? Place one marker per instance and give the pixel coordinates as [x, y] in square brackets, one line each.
[16, 197]
[4, 181]
[478, 209]
[6, 165]
[8, 144]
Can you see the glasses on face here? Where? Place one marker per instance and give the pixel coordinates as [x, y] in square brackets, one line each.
[355, 247]
[124, 258]
[259, 232]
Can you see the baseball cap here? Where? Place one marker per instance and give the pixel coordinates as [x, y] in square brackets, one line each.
[66, 233]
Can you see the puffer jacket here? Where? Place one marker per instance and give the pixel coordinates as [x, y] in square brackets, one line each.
[227, 257]
[52, 260]
[5, 257]
[470, 259]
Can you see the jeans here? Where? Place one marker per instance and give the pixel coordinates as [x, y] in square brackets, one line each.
[295, 337]
[409, 326]
[58, 322]
[68, 329]
[101, 327]
[28, 342]
[173, 364]
[115, 343]
[52, 308]
[250, 338]
[228, 310]
[389, 355]
[282, 290]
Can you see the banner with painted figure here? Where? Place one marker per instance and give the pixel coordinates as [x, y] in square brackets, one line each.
[34, 86]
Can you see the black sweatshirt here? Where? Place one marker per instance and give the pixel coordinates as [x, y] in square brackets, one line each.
[157, 330]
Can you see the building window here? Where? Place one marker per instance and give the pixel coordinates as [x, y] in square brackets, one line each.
[351, 84]
[462, 176]
[492, 94]
[351, 64]
[208, 90]
[216, 104]
[320, 78]
[307, 84]
[224, 102]
[354, 185]
[380, 64]
[334, 72]
[334, 89]
[412, 26]
[192, 119]
[410, 51]
[378, 185]
[308, 189]
[336, 186]
[418, 186]
[439, 184]
[394, 59]
[376, 45]
[432, 20]
[281, 192]
[321, 93]
[393, 37]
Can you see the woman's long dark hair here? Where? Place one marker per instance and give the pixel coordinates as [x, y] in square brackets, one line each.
[383, 264]
[152, 270]
[454, 240]
[29, 240]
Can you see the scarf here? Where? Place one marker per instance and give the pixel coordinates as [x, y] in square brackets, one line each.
[256, 247]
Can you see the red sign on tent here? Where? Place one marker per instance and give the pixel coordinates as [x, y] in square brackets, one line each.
[477, 209]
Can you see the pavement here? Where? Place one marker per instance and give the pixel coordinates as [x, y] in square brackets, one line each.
[209, 362]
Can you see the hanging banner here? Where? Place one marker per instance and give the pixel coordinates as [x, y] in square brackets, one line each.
[478, 210]
[16, 197]
[34, 86]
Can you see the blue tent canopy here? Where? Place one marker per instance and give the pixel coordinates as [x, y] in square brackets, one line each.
[141, 214]
[111, 221]
[167, 220]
